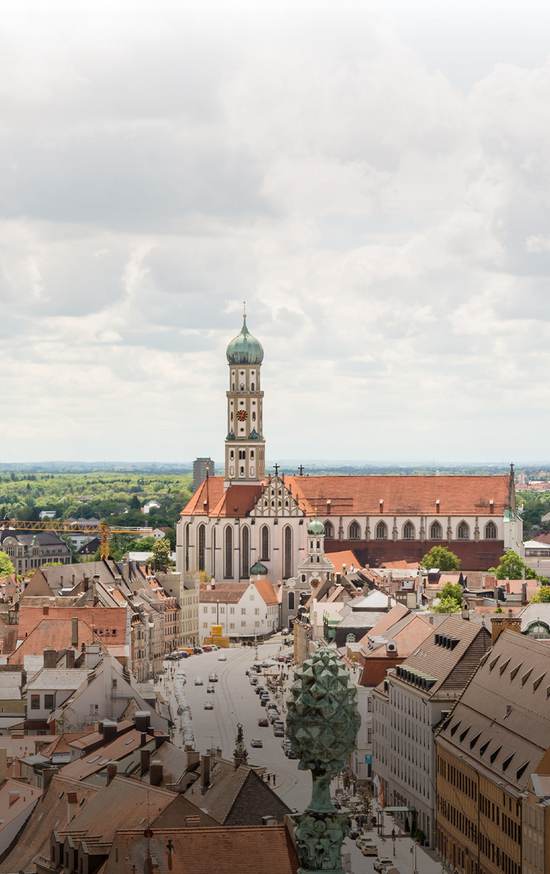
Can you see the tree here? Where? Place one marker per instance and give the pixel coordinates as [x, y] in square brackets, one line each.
[6, 567]
[450, 599]
[542, 596]
[513, 567]
[442, 558]
[161, 553]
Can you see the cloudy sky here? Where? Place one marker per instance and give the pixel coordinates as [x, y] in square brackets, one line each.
[371, 177]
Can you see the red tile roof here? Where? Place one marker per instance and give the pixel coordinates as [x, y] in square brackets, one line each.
[347, 557]
[401, 495]
[231, 849]
[55, 633]
[267, 592]
[225, 593]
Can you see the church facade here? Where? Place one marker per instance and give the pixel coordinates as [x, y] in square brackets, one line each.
[244, 523]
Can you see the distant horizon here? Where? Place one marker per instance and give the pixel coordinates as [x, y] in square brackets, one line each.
[293, 463]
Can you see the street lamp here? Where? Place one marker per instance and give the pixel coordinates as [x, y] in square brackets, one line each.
[393, 839]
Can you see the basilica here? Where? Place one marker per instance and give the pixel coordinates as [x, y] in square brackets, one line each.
[286, 528]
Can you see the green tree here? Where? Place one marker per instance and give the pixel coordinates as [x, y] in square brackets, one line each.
[542, 596]
[450, 599]
[442, 558]
[514, 568]
[161, 553]
[6, 567]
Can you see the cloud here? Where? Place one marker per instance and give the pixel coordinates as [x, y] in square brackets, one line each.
[386, 221]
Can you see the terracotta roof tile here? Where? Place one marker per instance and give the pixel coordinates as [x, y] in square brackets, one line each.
[402, 495]
[267, 592]
[225, 593]
[56, 633]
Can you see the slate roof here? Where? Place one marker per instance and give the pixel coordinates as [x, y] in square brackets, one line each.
[265, 849]
[501, 724]
[451, 668]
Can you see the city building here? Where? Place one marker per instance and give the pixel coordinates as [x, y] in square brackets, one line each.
[243, 610]
[493, 760]
[409, 704]
[202, 467]
[32, 549]
[234, 521]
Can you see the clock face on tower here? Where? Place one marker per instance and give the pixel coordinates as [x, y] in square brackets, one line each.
[242, 415]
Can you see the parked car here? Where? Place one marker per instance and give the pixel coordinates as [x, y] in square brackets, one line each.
[208, 705]
[199, 681]
[254, 681]
[210, 688]
[255, 742]
[290, 754]
[222, 657]
[381, 863]
[278, 732]
[214, 647]
[262, 702]
[207, 648]
[336, 803]
[184, 655]
[197, 650]
[272, 706]
[213, 678]
[263, 722]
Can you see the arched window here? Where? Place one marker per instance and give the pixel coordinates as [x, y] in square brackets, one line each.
[463, 531]
[490, 531]
[436, 531]
[408, 531]
[264, 544]
[245, 553]
[202, 544]
[291, 600]
[187, 546]
[228, 553]
[287, 546]
[354, 531]
[329, 531]
[381, 531]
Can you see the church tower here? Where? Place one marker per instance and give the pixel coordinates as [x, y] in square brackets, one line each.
[244, 444]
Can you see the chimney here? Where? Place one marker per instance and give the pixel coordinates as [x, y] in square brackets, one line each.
[69, 658]
[50, 657]
[465, 610]
[109, 730]
[193, 758]
[74, 633]
[524, 593]
[205, 771]
[47, 773]
[142, 719]
[86, 583]
[145, 760]
[160, 739]
[155, 772]
[389, 600]
[502, 622]
[72, 802]
[112, 769]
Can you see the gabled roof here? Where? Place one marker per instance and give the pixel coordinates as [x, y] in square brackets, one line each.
[119, 748]
[501, 724]
[449, 656]
[26, 797]
[225, 593]
[55, 633]
[237, 850]
[397, 612]
[50, 813]
[267, 592]
[205, 498]
[401, 495]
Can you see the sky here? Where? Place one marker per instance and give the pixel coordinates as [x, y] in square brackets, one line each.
[371, 177]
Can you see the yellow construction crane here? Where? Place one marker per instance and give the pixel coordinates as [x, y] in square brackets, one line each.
[104, 531]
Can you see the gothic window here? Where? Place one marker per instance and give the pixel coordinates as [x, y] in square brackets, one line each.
[187, 547]
[463, 531]
[264, 540]
[245, 553]
[329, 531]
[436, 531]
[408, 531]
[381, 531]
[202, 544]
[291, 600]
[228, 553]
[490, 531]
[354, 531]
[287, 547]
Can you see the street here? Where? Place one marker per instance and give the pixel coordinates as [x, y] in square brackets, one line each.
[235, 701]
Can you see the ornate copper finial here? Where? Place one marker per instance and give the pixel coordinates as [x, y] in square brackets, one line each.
[322, 695]
[244, 309]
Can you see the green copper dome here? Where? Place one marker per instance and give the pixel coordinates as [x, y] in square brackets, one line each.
[245, 349]
[316, 528]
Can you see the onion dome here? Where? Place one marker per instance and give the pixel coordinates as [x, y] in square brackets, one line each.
[245, 349]
[316, 528]
[258, 569]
